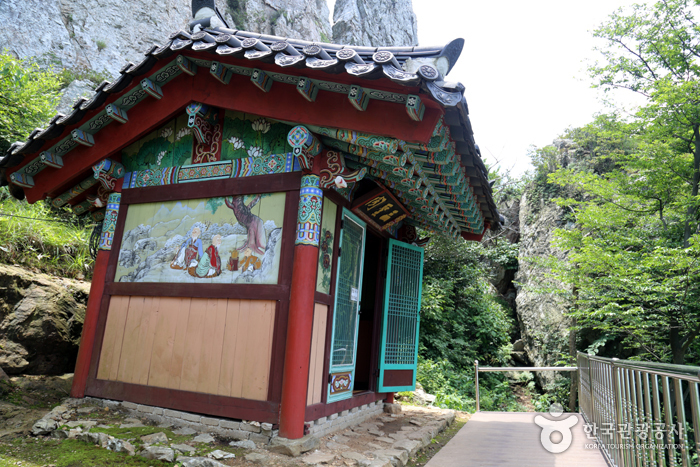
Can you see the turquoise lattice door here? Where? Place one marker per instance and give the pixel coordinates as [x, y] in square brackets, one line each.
[347, 307]
[401, 320]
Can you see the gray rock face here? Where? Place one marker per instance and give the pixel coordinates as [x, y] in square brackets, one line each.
[375, 22]
[41, 318]
[298, 19]
[540, 310]
[99, 36]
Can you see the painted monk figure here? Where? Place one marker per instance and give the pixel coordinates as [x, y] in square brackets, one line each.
[210, 263]
[190, 251]
[250, 261]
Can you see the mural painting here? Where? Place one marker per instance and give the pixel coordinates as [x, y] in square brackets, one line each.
[325, 253]
[248, 135]
[168, 146]
[226, 240]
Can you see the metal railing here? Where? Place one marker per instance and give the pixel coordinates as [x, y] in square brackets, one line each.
[486, 369]
[639, 412]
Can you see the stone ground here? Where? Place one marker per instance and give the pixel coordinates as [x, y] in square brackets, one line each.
[389, 440]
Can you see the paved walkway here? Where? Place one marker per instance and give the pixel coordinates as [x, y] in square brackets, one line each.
[506, 439]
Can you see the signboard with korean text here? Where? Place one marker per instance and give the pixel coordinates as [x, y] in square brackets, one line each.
[380, 209]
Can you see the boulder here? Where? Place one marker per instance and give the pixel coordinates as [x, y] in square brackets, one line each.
[44, 427]
[245, 444]
[392, 408]
[293, 447]
[204, 438]
[158, 453]
[155, 438]
[41, 319]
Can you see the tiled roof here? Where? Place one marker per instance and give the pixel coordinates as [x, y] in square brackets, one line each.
[424, 67]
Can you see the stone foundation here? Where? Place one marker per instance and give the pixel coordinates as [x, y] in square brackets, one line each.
[225, 427]
[238, 429]
[344, 419]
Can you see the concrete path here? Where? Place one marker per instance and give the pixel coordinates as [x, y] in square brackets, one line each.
[506, 439]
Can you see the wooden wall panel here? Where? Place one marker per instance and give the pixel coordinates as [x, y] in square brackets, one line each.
[256, 371]
[129, 356]
[114, 333]
[193, 337]
[211, 346]
[318, 344]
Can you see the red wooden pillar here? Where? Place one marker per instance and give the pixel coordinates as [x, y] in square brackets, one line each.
[92, 313]
[301, 310]
[87, 339]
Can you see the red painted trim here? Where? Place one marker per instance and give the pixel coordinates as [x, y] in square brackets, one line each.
[279, 338]
[282, 102]
[220, 406]
[87, 339]
[150, 114]
[323, 299]
[214, 188]
[169, 289]
[470, 237]
[298, 346]
[316, 411]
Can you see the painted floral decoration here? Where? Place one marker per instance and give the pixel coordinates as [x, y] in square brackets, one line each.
[166, 132]
[237, 143]
[261, 125]
[255, 152]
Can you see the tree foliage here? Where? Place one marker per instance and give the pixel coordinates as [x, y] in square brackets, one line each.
[633, 274]
[28, 98]
[634, 256]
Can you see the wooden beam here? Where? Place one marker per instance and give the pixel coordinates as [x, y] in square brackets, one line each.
[150, 116]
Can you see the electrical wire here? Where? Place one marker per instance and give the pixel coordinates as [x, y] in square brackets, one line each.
[34, 218]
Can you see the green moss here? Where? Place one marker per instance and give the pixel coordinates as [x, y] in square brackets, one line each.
[36, 452]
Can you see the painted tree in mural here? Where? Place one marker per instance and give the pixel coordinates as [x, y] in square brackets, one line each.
[252, 223]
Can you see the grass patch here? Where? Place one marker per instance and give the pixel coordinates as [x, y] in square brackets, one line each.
[39, 452]
[437, 443]
[37, 237]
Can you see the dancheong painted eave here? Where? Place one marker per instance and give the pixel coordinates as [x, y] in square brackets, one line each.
[443, 162]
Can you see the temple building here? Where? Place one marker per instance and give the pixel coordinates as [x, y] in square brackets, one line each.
[261, 202]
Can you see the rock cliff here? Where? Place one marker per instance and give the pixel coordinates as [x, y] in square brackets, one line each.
[95, 39]
[540, 304]
[41, 319]
[375, 22]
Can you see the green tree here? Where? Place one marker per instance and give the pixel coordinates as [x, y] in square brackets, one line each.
[654, 51]
[634, 275]
[28, 98]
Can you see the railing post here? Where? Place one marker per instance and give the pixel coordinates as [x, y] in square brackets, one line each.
[476, 382]
[617, 398]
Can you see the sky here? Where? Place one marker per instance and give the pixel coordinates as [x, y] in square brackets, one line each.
[523, 66]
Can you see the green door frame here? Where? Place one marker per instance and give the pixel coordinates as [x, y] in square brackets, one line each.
[399, 281]
[344, 375]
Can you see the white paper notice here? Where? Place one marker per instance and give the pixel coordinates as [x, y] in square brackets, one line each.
[354, 295]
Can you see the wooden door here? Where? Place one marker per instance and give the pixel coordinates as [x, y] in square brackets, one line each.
[398, 358]
[348, 291]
